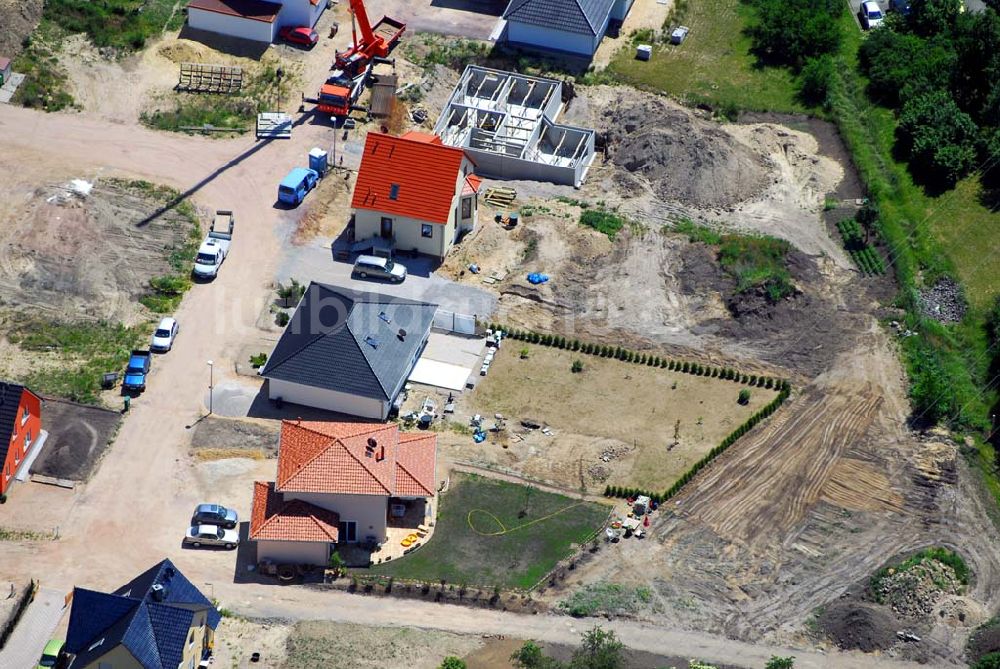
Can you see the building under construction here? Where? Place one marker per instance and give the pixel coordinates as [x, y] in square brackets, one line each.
[507, 123]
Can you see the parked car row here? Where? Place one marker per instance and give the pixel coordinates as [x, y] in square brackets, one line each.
[213, 525]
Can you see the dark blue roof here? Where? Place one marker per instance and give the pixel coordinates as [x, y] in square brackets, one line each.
[576, 16]
[347, 340]
[153, 627]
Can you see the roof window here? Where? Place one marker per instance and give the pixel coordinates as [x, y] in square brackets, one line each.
[385, 317]
[371, 341]
[394, 192]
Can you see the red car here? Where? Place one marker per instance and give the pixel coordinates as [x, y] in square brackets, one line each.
[300, 35]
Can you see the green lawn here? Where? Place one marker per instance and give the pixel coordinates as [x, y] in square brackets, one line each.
[517, 559]
[713, 66]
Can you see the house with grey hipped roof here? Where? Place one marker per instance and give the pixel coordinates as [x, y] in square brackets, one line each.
[158, 620]
[348, 351]
[569, 26]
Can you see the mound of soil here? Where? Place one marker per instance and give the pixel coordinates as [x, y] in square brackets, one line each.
[684, 158]
[856, 625]
[18, 19]
[983, 641]
[913, 593]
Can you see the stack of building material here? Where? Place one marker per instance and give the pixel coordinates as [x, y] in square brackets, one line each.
[500, 196]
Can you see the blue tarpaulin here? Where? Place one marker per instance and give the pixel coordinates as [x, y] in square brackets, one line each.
[536, 278]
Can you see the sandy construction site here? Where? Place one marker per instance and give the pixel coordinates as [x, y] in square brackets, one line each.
[774, 542]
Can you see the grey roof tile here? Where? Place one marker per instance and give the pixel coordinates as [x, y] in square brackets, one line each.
[346, 340]
[577, 16]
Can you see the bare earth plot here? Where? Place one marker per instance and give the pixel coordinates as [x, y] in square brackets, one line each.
[78, 436]
[657, 422]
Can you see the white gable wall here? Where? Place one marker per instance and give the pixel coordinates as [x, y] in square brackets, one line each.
[368, 511]
[331, 400]
[553, 40]
[300, 12]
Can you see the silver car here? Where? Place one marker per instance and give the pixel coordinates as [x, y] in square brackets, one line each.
[211, 535]
[380, 268]
[215, 514]
[163, 338]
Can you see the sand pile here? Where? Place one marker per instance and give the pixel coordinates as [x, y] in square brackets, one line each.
[17, 19]
[682, 157]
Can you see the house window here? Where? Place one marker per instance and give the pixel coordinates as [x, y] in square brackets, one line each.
[27, 440]
[466, 207]
[348, 531]
[191, 638]
[24, 416]
[427, 230]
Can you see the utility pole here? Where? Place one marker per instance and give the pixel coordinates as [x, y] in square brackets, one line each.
[211, 379]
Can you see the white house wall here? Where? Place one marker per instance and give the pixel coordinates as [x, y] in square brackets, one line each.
[553, 40]
[300, 12]
[368, 223]
[294, 552]
[331, 400]
[368, 511]
[257, 31]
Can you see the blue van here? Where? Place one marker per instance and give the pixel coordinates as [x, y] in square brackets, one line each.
[296, 185]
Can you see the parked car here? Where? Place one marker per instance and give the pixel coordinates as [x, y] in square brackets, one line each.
[301, 35]
[50, 654]
[163, 336]
[139, 363]
[380, 268]
[871, 15]
[296, 185]
[215, 514]
[213, 251]
[211, 535]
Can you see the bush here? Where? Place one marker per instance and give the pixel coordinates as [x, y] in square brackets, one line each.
[602, 221]
[940, 139]
[282, 318]
[577, 366]
[814, 82]
[744, 397]
[257, 361]
[452, 662]
[790, 33]
[780, 662]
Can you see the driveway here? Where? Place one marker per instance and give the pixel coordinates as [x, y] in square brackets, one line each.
[316, 262]
[33, 630]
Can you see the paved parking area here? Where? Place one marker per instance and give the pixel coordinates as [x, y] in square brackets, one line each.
[316, 263]
[33, 630]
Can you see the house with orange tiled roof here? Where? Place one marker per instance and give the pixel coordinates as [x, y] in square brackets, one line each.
[414, 193]
[339, 483]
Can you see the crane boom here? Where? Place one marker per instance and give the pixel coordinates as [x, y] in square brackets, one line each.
[361, 14]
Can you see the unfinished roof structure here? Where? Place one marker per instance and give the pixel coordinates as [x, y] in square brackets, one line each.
[506, 122]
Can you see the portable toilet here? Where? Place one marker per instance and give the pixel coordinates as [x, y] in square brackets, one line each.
[317, 160]
[5, 70]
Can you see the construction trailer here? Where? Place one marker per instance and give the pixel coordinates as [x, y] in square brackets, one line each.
[507, 123]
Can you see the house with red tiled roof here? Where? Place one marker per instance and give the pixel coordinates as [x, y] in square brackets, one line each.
[338, 483]
[414, 193]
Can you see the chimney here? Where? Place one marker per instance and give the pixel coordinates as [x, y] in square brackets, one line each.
[159, 593]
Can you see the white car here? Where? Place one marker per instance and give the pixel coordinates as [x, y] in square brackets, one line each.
[163, 337]
[211, 535]
[871, 15]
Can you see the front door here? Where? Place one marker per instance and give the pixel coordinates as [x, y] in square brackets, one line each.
[386, 230]
[348, 530]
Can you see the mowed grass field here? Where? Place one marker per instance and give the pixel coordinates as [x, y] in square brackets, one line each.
[713, 65]
[611, 399]
[521, 551]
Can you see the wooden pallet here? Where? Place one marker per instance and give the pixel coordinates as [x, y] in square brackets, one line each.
[202, 78]
[500, 196]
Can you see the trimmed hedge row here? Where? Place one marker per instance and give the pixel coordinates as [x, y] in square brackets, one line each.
[764, 412]
[625, 355]
[685, 367]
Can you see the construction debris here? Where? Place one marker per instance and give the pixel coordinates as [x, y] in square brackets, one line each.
[500, 196]
[202, 78]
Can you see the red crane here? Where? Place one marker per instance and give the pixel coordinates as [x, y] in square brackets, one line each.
[375, 42]
[342, 90]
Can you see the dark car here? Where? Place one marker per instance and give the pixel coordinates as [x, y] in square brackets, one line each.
[215, 514]
[300, 35]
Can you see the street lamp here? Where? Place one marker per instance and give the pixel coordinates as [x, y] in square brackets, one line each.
[211, 377]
